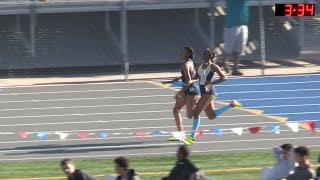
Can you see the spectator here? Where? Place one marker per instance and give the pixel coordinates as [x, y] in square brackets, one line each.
[284, 157]
[72, 173]
[122, 168]
[184, 169]
[235, 33]
[303, 171]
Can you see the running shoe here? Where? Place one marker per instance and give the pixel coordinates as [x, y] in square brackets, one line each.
[235, 104]
[173, 139]
[188, 141]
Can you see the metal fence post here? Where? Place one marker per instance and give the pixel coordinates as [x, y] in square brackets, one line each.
[262, 38]
[212, 24]
[124, 39]
[33, 30]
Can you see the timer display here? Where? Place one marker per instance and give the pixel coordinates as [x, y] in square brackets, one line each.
[295, 9]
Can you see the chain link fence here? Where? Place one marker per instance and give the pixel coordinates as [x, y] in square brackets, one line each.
[138, 34]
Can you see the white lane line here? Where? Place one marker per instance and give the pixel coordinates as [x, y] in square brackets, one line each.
[157, 144]
[96, 106]
[86, 122]
[268, 91]
[84, 91]
[142, 154]
[124, 120]
[80, 114]
[267, 84]
[143, 128]
[279, 76]
[80, 99]
[269, 76]
[78, 83]
[277, 106]
[130, 137]
[139, 89]
[144, 104]
[147, 96]
[139, 112]
[262, 99]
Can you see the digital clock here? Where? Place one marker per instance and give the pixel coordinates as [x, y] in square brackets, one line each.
[295, 9]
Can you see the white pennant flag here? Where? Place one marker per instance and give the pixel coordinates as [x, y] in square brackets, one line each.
[238, 131]
[293, 126]
[179, 135]
[62, 135]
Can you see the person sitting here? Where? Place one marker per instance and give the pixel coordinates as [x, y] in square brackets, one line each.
[72, 173]
[122, 168]
[284, 157]
[304, 170]
[184, 169]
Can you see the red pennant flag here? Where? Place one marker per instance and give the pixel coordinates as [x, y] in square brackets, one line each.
[199, 133]
[254, 130]
[23, 134]
[141, 134]
[311, 125]
[82, 135]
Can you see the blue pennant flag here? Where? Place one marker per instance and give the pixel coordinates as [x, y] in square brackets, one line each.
[103, 134]
[274, 128]
[157, 132]
[42, 135]
[217, 131]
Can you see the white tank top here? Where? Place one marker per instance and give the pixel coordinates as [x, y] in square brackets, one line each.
[205, 74]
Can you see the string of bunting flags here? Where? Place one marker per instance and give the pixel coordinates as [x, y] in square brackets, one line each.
[276, 128]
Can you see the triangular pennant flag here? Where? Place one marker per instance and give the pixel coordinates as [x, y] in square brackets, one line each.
[217, 131]
[103, 134]
[311, 126]
[199, 133]
[62, 135]
[157, 132]
[293, 126]
[179, 135]
[23, 134]
[274, 128]
[82, 135]
[42, 135]
[141, 134]
[238, 131]
[254, 130]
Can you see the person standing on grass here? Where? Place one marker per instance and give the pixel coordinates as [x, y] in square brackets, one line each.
[122, 168]
[72, 173]
[304, 170]
[284, 157]
[184, 169]
[235, 33]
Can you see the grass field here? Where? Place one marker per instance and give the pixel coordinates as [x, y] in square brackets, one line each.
[220, 166]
